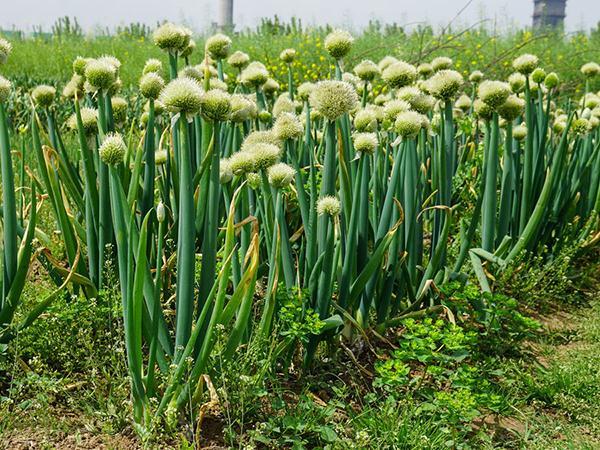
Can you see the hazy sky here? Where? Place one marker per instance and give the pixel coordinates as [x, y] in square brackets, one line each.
[199, 14]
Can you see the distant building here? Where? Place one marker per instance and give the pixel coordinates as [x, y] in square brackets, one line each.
[225, 15]
[549, 13]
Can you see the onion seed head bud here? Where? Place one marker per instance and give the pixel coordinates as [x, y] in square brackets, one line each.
[215, 83]
[89, 121]
[5, 50]
[79, 65]
[319, 136]
[119, 107]
[425, 69]
[43, 95]
[519, 132]
[408, 124]
[182, 95]
[365, 143]
[587, 113]
[493, 93]
[115, 87]
[399, 74]
[590, 100]
[171, 38]
[242, 162]
[151, 85]
[262, 137]
[393, 108]
[444, 84]
[352, 79]
[280, 175]
[160, 212]
[512, 108]
[288, 55]
[113, 149]
[329, 205]
[218, 46]
[381, 99]
[74, 88]
[476, 77]
[517, 82]
[338, 43]
[525, 64]
[100, 74]
[366, 70]
[143, 121]
[304, 90]
[160, 157]
[283, 104]
[188, 49]
[441, 63]
[559, 125]
[365, 120]
[238, 59]
[5, 88]
[111, 60]
[463, 103]
[333, 98]
[255, 75]
[159, 107]
[315, 115]
[215, 105]
[590, 70]
[417, 99]
[225, 171]
[270, 86]
[385, 62]
[378, 111]
[191, 72]
[482, 110]
[408, 93]
[242, 108]
[265, 116]
[152, 65]
[580, 126]
[265, 155]
[287, 126]
[538, 75]
[551, 81]
[436, 121]
[254, 180]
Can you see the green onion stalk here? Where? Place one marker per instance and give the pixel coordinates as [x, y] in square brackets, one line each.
[526, 193]
[321, 283]
[532, 225]
[51, 180]
[104, 224]
[186, 241]
[92, 204]
[211, 221]
[488, 219]
[10, 242]
[149, 163]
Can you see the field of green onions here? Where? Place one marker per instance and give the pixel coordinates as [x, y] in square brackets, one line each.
[224, 227]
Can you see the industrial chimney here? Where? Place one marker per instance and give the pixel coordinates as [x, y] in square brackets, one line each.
[226, 15]
[549, 13]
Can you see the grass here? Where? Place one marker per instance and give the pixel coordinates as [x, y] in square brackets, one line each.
[564, 394]
[78, 398]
